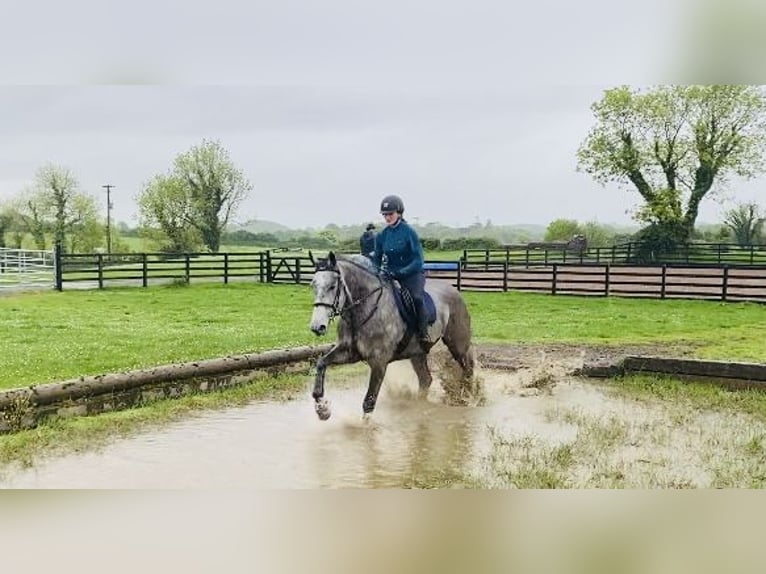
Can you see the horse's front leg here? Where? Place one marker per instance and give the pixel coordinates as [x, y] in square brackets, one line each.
[338, 355]
[377, 373]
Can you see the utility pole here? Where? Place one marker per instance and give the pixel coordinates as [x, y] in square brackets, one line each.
[108, 218]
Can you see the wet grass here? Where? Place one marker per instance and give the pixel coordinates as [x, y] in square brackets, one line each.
[656, 433]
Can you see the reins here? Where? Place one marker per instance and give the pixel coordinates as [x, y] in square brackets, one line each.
[349, 303]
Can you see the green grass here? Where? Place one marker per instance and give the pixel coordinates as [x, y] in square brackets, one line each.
[50, 336]
[56, 336]
[720, 330]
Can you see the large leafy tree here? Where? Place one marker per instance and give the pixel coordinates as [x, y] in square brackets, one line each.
[673, 144]
[166, 209]
[197, 198]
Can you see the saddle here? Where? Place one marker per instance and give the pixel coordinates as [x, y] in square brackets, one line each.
[406, 306]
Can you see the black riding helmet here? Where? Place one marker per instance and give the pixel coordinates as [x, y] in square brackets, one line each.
[392, 203]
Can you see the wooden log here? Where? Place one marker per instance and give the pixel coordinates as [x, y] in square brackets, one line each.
[88, 386]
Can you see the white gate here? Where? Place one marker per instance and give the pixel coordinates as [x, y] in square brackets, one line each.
[26, 268]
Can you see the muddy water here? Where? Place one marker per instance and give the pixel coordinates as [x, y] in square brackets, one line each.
[284, 445]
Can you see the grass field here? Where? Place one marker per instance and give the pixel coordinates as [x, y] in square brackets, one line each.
[50, 336]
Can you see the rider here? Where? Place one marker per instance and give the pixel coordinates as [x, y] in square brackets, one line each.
[399, 255]
[367, 241]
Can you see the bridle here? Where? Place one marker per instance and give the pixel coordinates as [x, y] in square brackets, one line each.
[349, 304]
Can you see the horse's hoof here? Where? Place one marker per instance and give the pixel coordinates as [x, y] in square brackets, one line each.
[322, 408]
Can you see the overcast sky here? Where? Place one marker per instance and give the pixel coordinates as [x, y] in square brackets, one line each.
[469, 111]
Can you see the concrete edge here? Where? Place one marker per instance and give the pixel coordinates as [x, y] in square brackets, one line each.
[733, 374]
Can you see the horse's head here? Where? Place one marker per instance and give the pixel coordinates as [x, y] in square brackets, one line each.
[329, 295]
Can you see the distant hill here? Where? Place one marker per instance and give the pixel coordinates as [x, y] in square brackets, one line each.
[260, 226]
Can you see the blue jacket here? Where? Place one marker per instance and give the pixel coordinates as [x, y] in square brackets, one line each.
[401, 248]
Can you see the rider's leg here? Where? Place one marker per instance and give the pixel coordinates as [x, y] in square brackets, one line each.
[416, 285]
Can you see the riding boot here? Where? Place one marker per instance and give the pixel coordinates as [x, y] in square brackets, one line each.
[422, 323]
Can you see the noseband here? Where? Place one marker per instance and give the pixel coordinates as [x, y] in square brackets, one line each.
[336, 310]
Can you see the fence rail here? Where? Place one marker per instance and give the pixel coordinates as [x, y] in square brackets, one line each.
[724, 283]
[633, 253]
[693, 281]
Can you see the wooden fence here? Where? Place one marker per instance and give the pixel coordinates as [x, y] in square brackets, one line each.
[144, 269]
[715, 282]
[724, 283]
[633, 253]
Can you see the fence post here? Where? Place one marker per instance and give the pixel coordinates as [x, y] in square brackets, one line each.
[58, 272]
[553, 282]
[505, 277]
[486, 259]
[719, 254]
[187, 268]
[144, 270]
[297, 270]
[100, 259]
[664, 277]
[606, 279]
[725, 285]
[627, 258]
[459, 274]
[225, 268]
[269, 278]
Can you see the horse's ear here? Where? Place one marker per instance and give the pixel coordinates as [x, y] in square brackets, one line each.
[331, 258]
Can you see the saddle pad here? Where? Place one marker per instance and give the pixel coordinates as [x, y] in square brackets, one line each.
[407, 311]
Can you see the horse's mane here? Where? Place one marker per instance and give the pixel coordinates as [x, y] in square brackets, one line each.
[360, 260]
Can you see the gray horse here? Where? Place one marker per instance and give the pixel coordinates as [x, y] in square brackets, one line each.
[371, 328]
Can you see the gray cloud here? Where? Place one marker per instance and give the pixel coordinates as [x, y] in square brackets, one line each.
[469, 110]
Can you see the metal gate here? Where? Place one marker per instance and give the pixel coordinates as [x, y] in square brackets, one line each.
[26, 269]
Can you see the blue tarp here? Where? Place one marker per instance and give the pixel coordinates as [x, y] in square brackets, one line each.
[446, 266]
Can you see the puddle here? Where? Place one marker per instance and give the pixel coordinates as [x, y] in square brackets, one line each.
[282, 445]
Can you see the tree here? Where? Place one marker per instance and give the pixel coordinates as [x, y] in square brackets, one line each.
[165, 208]
[562, 230]
[29, 209]
[193, 203]
[215, 186]
[597, 235]
[673, 143]
[746, 223]
[54, 205]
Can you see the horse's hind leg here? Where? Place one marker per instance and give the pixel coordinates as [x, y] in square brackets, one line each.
[420, 365]
[459, 345]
